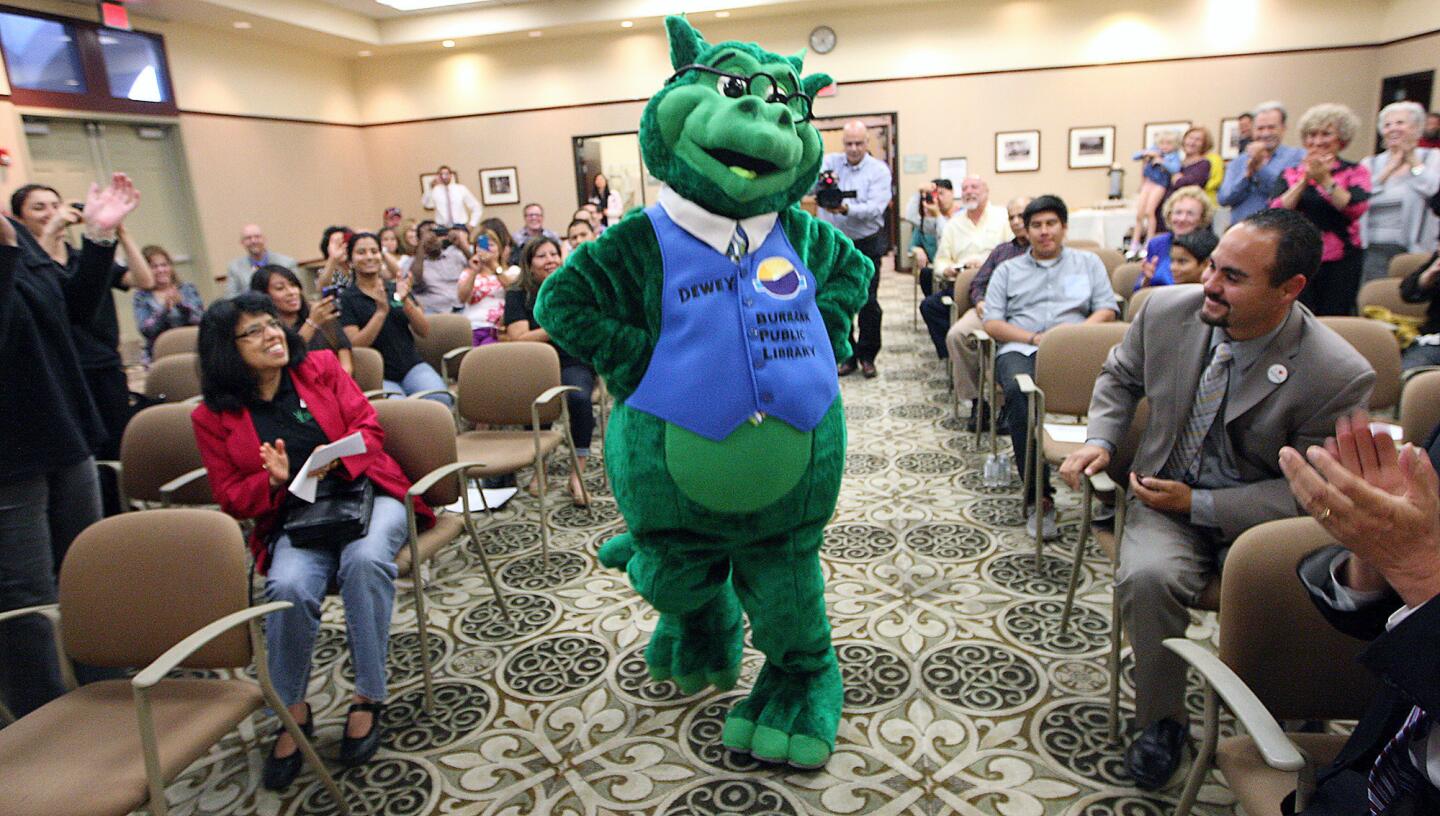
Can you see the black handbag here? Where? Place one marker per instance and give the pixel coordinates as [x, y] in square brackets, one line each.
[340, 514]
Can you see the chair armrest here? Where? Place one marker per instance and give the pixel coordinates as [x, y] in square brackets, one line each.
[48, 610]
[424, 483]
[176, 484]
[428, 393]
[1027, 385]
[381, 393]
[1101, 483]
[458, 351]
[552, 393]
[1275, 748]
[165, 663]
[1413, 372]
[111, 465]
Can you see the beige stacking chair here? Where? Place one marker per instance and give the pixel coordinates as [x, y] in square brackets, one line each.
[110, 747]
[1279, 660]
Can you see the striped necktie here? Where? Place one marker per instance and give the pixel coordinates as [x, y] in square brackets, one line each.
[1394, 775]
[739, 244]
[1185, 457]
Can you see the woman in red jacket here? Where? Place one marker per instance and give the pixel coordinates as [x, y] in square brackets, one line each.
[268, 405]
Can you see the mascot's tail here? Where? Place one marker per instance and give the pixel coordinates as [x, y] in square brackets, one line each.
[616, 552]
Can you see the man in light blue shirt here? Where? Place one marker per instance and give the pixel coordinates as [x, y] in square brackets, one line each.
[862, 218]
[1028, 295]
[1253, 178]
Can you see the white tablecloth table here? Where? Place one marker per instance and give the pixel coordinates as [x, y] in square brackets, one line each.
[1106, 227]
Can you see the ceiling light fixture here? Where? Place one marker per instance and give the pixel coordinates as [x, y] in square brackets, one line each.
[722, 14]
[534, 34]
[418, 5]
[365, 53]
[448, 44]
[627, 23]
[241, 24]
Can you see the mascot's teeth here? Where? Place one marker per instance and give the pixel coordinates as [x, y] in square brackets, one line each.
[748, 175]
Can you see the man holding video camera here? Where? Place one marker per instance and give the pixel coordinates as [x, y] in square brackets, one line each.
[435, 271]
[853, 192]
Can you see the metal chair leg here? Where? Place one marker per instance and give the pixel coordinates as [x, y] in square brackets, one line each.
[1087, 495]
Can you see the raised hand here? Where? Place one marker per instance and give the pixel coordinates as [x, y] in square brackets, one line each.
[7, 232]
[106, 208]
[1388, 515]
[277, 463]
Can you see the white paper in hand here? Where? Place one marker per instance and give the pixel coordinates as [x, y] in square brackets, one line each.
[303, 485]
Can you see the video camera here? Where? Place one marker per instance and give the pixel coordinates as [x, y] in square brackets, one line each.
[828, 193]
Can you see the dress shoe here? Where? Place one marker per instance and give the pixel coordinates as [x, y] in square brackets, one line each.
[358, 750]
[846, 368]
[1154, 755]
[279, 772]
[867, 368]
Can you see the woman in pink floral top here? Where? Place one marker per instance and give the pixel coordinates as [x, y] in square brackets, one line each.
[1333, 194]
[482, 289]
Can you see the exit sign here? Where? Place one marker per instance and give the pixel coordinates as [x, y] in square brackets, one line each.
[114, 15]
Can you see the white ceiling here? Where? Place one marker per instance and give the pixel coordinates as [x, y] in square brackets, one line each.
[379, 11]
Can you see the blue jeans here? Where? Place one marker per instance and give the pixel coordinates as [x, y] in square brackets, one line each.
[365, 570]
[421, 378]
[39, 517]
[582, 414]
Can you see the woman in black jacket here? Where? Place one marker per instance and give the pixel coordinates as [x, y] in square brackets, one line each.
[49, 491]
[1421, 286]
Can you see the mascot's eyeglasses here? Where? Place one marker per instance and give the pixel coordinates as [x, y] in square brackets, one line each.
[736, 86]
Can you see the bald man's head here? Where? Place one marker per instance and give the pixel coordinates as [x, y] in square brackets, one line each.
[857, 141]
[253, 240]
[974, 193]
[1015, 207]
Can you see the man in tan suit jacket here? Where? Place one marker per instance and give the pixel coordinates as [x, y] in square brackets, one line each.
[1240, 349]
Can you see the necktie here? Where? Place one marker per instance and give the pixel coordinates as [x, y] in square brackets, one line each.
[739, 244]
[1208, 398]
[1395, 775]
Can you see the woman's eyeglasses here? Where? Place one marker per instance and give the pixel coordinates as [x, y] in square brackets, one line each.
[258, 329]
[735, 86]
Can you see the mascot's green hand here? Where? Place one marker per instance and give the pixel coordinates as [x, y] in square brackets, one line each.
[616, 552]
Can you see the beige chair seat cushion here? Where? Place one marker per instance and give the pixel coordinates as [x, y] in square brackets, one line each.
[1259, 788]
[80, 755]
[503, 451]
[447, 527]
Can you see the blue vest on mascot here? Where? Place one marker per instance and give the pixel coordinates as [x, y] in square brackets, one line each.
[737, 339]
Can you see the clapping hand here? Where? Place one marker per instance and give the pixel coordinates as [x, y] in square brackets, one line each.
[106, 208]
[1382, 504]
[402, 289]
[277, 463]
[1317, 168]
[1147, 267]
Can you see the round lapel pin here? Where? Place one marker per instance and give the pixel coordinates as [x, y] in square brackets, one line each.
[1277, 374]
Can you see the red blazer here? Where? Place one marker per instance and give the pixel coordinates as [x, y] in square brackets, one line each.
[230, 449]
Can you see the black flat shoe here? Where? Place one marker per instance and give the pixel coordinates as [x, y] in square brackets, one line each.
[846, 368]
[358, 750]
[1154, 755]
[867, 368]
[278, 773]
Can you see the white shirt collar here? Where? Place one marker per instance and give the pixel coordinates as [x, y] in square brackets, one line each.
[714, 230]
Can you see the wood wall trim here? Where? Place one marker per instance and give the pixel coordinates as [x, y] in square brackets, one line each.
[1290, 52]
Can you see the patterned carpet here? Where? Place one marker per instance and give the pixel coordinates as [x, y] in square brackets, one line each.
[962, 696]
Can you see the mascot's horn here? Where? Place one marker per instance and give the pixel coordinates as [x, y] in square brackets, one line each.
[686, 44]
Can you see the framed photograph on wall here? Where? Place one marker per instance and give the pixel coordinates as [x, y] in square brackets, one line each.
[955, 169]
[1017, 151]
[1229, 138]
[499, 185]
[1092, 147]
[425, 179]
[1153, 130]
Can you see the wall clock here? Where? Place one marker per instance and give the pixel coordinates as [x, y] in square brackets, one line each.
[822, 39]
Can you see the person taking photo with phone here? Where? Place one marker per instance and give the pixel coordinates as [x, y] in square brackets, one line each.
[317, 327]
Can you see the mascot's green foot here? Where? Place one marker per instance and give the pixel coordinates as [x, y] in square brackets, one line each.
[616, 552]
[699, 649]
[788, 717]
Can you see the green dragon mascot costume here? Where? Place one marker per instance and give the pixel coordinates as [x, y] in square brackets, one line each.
[716, 318]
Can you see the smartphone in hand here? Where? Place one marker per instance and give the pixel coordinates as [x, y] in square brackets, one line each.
[330, 291]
